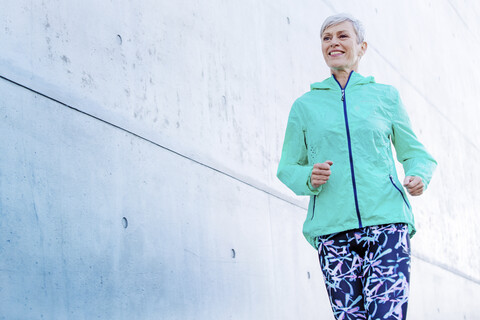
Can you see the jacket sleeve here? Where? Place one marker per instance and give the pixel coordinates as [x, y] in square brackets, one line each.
[293, 169]
[411, 153]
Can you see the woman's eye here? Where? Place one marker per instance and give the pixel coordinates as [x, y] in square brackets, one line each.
[326, 38]
[343, 36]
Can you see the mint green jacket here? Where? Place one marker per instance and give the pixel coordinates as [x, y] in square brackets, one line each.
[353, 128]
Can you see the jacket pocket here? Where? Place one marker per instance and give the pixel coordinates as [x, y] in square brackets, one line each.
[399, 190]
[313, 209]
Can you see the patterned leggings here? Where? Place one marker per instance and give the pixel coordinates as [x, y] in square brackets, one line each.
[367, 272]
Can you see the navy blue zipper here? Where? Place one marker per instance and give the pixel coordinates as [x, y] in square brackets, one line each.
[404, 200]
[313, 211]
[350, 149]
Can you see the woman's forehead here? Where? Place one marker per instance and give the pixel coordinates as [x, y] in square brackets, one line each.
[339, 27]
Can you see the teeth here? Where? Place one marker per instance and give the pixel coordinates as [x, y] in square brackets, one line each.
[336, 52]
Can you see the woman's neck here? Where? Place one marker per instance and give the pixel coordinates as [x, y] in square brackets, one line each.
[342, 76]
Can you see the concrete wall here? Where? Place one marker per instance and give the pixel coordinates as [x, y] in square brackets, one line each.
[140, 141]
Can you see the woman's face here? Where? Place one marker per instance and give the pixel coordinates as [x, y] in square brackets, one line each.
[340, 48]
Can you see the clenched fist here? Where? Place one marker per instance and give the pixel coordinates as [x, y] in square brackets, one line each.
[414, 185]
[320, 173]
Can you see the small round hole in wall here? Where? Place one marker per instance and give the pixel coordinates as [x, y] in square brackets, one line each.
[124, 222]
[119, 39]
[233, 253]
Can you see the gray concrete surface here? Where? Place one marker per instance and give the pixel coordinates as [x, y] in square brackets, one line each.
[140, 142]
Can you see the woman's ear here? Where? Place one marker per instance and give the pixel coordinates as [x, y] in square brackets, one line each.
[363, 48]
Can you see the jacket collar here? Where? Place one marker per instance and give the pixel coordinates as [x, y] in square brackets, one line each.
[330, 83]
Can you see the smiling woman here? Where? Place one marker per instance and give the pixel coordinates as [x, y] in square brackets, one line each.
[342, 49]
[337, 150]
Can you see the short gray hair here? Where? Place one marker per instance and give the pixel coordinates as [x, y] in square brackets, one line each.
[341, 17]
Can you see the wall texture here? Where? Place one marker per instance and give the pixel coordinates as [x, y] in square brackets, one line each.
[139, 148]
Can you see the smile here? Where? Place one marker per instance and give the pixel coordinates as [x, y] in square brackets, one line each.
[335, 53]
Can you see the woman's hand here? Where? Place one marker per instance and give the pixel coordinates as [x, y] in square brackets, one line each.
[320, 173]
[414, 185]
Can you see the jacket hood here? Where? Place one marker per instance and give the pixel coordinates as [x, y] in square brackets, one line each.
[331, 82]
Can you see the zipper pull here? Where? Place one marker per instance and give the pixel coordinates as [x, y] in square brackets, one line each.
[343, 94]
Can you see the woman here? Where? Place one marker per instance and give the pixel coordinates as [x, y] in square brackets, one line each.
[337, 150]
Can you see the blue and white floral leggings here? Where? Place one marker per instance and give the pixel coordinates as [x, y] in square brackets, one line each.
[367, 272]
